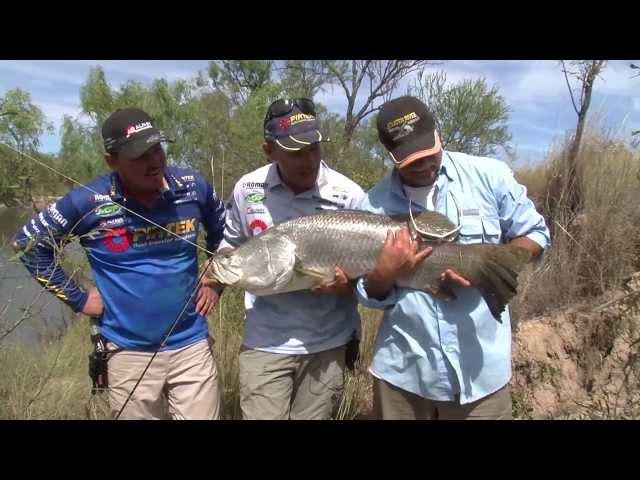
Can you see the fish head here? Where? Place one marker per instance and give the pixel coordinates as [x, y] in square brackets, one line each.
[263, 263]
[226, 267]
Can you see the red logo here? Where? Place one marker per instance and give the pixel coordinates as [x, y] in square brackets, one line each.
[130, 131]
[257, 226]
[117, 239]
[284, 123]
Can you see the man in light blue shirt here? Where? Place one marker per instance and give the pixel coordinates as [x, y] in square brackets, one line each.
[433, 358]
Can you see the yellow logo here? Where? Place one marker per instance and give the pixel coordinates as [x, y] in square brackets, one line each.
[401, 120]
[301, 117]
[154, 233]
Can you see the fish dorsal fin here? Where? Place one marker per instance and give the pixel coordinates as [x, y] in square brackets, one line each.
[429, 225]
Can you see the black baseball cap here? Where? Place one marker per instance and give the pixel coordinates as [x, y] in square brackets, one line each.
[130, 132]
[292, 124]
[407, 129]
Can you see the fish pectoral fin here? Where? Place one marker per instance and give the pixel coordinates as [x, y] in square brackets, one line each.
[309, 272]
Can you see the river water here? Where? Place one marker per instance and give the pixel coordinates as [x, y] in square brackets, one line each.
[45, 314]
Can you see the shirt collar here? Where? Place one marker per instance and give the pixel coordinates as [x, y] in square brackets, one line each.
[273, 177]
[175, 188]
[443, 173]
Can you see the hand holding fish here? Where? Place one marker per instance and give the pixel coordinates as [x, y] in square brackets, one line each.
[452, 277]
[206, 299]
[398, 256]
[93, 307]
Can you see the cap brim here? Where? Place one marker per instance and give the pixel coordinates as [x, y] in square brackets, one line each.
[141, 143]
[420, 147]
[299, 141]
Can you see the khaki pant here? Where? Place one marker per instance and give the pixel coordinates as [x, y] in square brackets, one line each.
[393, 403]
[276, 386]
[181, 384]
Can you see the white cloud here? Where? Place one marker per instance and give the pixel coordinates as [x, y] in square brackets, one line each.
[617, 79]
[55, 110]
[541, 128]
[540, 81]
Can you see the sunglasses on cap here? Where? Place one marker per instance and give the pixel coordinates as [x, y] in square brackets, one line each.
[283, 107]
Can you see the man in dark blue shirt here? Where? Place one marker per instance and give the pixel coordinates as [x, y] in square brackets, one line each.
[138, 226]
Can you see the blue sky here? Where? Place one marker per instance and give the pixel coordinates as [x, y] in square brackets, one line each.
[535, 90]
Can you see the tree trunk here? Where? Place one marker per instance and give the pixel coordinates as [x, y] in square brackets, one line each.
[575, 195]
[565, 191]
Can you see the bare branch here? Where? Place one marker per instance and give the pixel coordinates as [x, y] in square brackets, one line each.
[364, 71]
[340, 78]
[566, 77]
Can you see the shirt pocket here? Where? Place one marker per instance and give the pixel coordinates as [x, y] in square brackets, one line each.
[480, 229]
[471, 230]
[492, 232]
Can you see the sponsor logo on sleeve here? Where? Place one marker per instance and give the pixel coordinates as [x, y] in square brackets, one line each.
[257, 226]
[255, 197]
[252, 185]
[57, 216]
[101, 198]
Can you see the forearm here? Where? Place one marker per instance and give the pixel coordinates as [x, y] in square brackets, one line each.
[45, 269]
[378, 286]
[372, 302]
[528, 244]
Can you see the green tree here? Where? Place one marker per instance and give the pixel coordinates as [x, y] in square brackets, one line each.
[472, 117]
[238, 79]
[80, 156]
[175, 107]
[21, 125]
[304, 78]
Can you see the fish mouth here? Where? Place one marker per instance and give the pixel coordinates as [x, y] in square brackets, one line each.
[223, 275]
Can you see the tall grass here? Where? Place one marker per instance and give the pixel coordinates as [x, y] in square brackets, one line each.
[596, 249]
[50, 382]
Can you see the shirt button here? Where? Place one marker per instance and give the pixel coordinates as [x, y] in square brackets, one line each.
[450, 350]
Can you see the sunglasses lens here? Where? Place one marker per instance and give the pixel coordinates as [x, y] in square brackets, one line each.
[306, 106]
[282, 107]
[279, 108]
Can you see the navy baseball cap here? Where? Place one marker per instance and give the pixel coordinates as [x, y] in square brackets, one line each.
[130, 132]
[292, 124]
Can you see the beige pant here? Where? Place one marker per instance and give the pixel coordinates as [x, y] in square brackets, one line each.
[393, 403]
[276, 386]
[181, 384]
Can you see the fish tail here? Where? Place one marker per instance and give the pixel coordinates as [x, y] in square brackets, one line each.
[496, 275]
